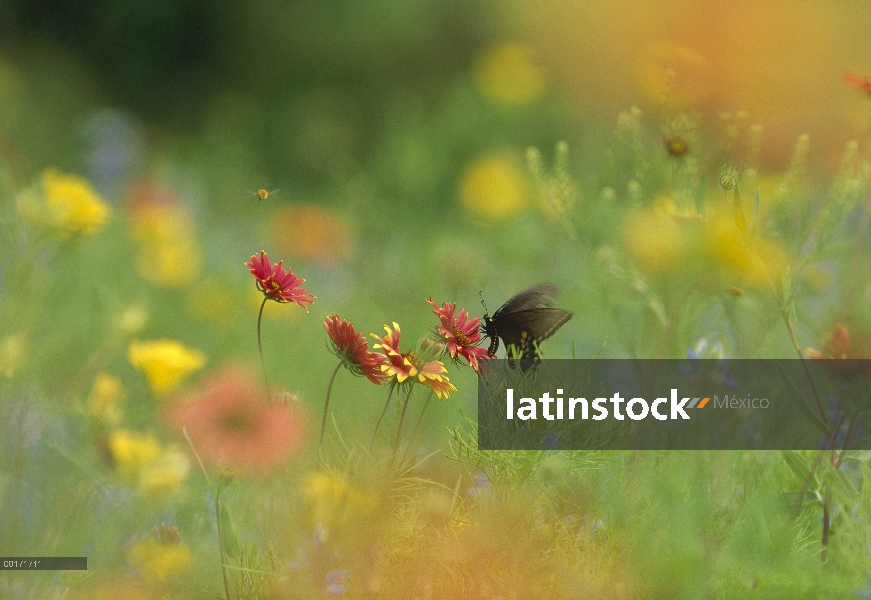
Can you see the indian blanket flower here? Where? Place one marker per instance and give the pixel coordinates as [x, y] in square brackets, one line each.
[406, 365]
[353, 352]
[234, 427]
[460, 333]
[276, 283]
[165, 363]
[352, 349]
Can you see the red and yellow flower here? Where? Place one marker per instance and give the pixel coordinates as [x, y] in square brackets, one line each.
[407, 366]
[352, 349]
[460, 334]
[278, 284]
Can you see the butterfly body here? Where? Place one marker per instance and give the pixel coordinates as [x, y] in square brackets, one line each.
[525, 320]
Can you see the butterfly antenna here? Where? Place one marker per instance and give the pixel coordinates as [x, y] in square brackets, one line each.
[481, 293]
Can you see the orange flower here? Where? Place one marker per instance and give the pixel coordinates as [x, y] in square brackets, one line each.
[313, 234]
[841, 346]
[857, 81]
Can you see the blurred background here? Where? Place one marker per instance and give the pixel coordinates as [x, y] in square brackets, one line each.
[393, 135]
[456, 149]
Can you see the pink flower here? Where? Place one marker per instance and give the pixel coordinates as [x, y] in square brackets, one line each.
[460, 333]
[232, 426]
[276, 283]
[352, 348]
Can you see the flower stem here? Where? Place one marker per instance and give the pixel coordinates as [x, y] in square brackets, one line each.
[216, 494]
[327, 404]
[416, 427]
[383, 412]
[221, 543]
[260, 347]
[401, 419]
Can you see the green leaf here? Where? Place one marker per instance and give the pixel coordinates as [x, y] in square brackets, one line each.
[841, 484]
[791, 314]
[738, 211]
[786, 285]
[798, 464]
[859, 456]
[754, 219]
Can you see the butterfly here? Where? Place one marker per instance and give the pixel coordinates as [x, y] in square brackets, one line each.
[525, 320]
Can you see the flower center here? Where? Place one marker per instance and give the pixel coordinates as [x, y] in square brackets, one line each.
[462, 338]
[237, 422]
[412, 358]
[273, 285]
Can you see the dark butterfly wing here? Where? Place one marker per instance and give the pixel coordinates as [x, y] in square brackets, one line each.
[526, 328]
[525, 320]
[537, 296]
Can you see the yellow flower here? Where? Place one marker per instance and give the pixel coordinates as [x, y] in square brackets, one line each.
[13, 349]
[165, 363]
[174, 261]
[335, 503]
[132, 451]
[168, 252]
[165, 474]
[507, 74]
[106, 399]
[494, 187]
[658, 242]
[131, 320]
[73, 205]
[139, 458]
[755, 263]
[157, 562]
[708, 251]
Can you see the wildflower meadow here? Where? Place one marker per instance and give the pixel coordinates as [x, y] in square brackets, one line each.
[256, 258]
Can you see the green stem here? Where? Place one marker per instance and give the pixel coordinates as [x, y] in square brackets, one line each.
[383, 412]
[401, 419]
[216, 495]
[327, 404]
[416, 427]
[260, 347]
[221, 543]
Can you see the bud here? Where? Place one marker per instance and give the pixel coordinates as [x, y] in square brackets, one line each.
[728, 177]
